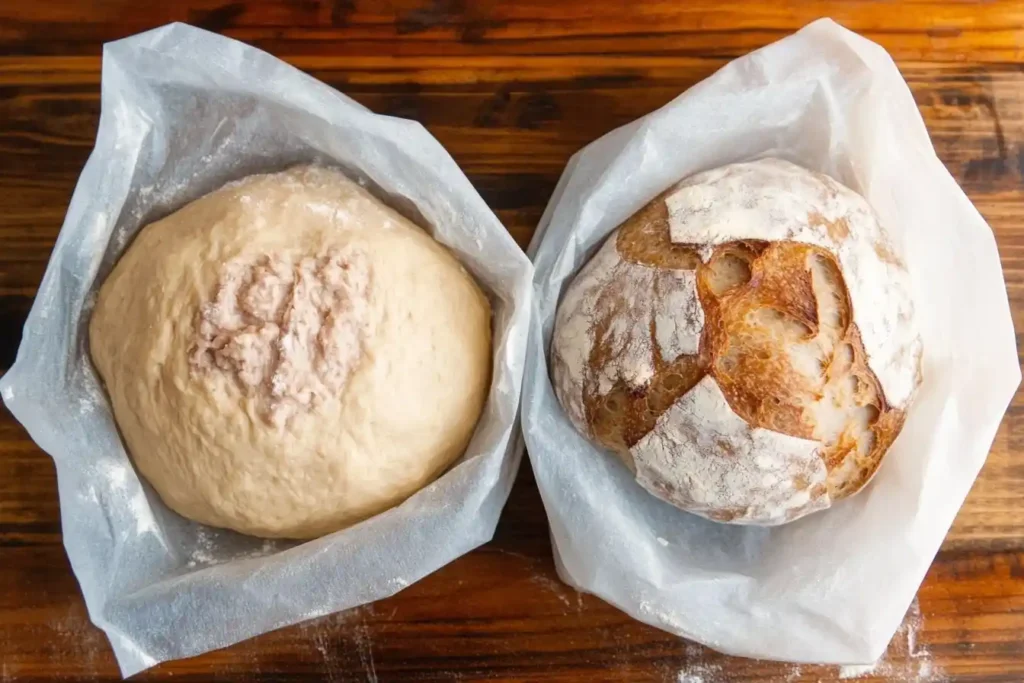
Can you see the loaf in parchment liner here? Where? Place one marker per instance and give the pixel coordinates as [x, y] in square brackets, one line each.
[745, 343]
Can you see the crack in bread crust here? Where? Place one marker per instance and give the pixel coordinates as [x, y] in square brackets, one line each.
[788, 358]
[644, 239]
[681, 309]
[750, 323]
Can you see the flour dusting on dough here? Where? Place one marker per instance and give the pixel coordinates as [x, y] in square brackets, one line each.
[289, 331]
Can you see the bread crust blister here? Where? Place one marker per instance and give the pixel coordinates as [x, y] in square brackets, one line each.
[745, 343]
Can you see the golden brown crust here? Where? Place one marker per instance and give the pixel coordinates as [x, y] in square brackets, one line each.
[644, 239]
[621, 416]
[748, 359]
[753, 326]
[761, 300]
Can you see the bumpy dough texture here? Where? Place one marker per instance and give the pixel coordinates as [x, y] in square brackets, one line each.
[287, 356]
[745, 343]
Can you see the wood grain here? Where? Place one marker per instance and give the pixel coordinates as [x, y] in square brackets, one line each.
[512, 89]
[915, 29]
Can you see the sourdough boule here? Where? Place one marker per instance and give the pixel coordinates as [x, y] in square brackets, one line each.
[745, 343]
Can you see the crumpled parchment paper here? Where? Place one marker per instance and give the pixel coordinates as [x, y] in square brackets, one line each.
[832, 587]
[184, 111]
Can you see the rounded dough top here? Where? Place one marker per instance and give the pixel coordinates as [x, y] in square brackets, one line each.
[287, 356]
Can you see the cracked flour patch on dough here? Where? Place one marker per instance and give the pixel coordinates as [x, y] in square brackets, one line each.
[289, 331]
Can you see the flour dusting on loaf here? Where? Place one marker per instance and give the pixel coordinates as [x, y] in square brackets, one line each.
[776, 200]
[611, 311]
[745, 343]
[701, 456]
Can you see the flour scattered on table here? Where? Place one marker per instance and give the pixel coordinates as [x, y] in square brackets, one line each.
[77, 640]
[332, 637]
[553, 586]
[702, 666]
[906, 659]
[857, 670]
[701, 673]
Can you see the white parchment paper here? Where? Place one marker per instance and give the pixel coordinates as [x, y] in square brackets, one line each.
[184, 111]
[832, 587]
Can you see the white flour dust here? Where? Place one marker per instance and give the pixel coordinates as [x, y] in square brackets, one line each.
[701, 673]
[77, 641]
[666, 618]
[288, 332]
[207, 552]
[559, 589]
[906, 660]
[204, 551]
[113, 472]
[856, 670]
[166, 192]
[92, 395]
[145, 523]
[108, 480]
[337, 637]
[397, 583]
[94, 243]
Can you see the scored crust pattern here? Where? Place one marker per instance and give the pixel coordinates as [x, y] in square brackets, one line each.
[778, 339]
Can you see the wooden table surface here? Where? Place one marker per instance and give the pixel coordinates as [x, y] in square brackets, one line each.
[512, 89]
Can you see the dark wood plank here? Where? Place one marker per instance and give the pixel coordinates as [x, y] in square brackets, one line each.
[497, 614]
[512, 89]
[914, 29]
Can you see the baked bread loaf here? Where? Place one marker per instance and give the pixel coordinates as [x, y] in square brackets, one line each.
[287, 356]
[745, 343]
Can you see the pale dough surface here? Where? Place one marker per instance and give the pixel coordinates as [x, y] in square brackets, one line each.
[409, 324]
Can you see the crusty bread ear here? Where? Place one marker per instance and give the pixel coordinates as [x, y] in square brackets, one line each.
[788, 358]
[766, 330]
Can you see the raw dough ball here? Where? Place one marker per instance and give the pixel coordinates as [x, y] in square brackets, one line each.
[745, 343]
[287, 356]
